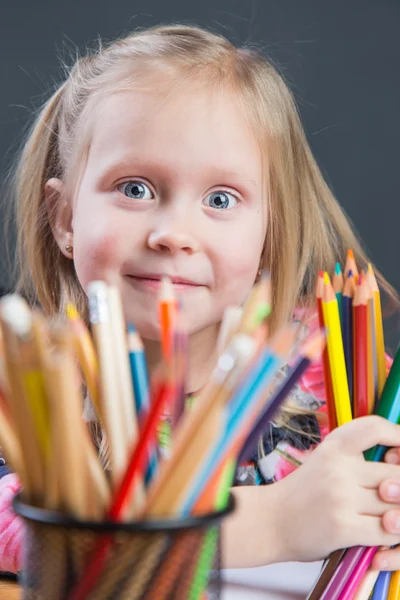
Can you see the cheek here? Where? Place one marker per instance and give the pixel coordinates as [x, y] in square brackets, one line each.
[237, 266]
[98, 251]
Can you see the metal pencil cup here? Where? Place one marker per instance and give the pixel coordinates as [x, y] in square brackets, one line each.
[150, 560]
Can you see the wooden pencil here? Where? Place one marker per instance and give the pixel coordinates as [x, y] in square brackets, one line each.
[336, 354]
[394, 586]
[167, 316]
[337, 283]
[330, 402]
[360, 360]
[86, 354]
[380, 343]
[109, 390]
[351, 265]
[372, 358]
[124, 378]
[347, 329]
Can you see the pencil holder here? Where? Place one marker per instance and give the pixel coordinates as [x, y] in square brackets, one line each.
[164, 559]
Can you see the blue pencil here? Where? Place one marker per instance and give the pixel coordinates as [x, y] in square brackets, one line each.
[140, 381]
[259, 377]
[347, 329]
[382, 586]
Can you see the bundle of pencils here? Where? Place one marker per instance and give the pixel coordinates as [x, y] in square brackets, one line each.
[44, 436]
[356, 385]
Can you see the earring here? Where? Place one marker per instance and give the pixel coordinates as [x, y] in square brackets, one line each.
[69, 249]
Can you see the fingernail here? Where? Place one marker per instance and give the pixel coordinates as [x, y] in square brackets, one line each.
[393, 490]
[392, 457]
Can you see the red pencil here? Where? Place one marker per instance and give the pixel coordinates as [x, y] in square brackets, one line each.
[125, 490]
[330, 403]
[360, 348]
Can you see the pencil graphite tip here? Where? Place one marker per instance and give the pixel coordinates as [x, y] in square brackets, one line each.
[350, 273]
[327, 280]
[321, 273]
[337, 269]
[350, 254]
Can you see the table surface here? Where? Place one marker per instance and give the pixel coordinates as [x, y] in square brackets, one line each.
[288, 581]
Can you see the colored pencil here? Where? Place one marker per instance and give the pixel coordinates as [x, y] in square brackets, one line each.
[381, 588]
[336, 354]
[351, 265]
[310, 351]
[347, 329]
[367, 585]
[258, 305]
[372, 358]
[360, 360]
[330, 402]
[167, 316]
[86, 354]
[357, 574]
[337, 283]
[380, 344]
[109, 390]
[394, 586]
[388, 406]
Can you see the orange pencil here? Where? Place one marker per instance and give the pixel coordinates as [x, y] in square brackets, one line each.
[351, 265]
[167, 316]
[330, 403]
[360, 361]
[378, 325]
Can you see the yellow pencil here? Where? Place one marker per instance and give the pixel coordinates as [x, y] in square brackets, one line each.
[380, 343]
[336, 354]
[394, 586]
[86, 355]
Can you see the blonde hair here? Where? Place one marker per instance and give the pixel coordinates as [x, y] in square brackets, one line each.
[307, 229]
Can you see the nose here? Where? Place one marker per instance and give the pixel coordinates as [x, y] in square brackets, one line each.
[170, 241]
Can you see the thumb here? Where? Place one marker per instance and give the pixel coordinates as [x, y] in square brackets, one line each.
[364, 433]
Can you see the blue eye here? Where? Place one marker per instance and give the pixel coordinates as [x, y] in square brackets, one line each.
[136, 190]
[220, 200]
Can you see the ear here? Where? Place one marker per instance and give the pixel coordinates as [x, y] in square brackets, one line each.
[59, 209]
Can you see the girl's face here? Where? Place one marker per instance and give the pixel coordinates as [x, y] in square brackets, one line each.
[172, 185]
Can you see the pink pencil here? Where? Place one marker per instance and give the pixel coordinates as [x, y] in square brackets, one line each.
[358, 573]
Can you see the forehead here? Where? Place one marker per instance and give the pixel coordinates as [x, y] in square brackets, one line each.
[193, 126]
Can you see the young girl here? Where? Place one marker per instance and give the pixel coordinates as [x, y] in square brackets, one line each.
[172, 152]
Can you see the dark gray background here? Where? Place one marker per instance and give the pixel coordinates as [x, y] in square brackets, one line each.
[341, 59]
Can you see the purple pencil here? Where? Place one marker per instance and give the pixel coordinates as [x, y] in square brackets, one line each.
[309, 352]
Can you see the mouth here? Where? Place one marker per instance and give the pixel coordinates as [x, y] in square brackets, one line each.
[152, 282]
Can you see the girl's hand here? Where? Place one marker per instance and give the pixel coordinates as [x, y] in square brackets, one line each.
[389, 492]
[337, 499]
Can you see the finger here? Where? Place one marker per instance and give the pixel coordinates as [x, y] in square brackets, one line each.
[392, 456]
[391, 521]
[371, 532]
[389, 491]
[387, 560]
[370, 504]
[371, 475]
[364, 433]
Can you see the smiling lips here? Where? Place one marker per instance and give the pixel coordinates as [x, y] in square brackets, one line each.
[150, 281]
